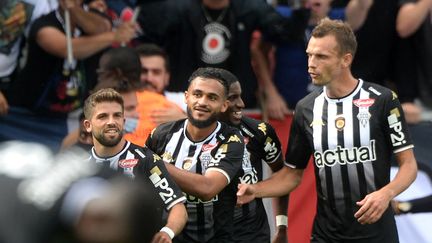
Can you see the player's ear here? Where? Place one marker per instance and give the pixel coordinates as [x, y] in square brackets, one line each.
[225, 106]
[347, 60]
[87, 125]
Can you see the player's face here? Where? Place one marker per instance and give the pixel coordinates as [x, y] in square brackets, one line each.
[130, 104]
[205, 100]
[324, 60]
[233, 114]
[154, 73]
[106, 124]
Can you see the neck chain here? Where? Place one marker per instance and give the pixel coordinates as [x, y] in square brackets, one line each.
[210, 19]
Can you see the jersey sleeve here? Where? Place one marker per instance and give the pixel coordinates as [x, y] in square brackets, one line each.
[228, 157]
[397, 128]
[154, 169]
[271, 145]
[299, 149]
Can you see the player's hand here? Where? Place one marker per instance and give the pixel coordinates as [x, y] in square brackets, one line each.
[125, 32]
[171, 113]
[373, 206]
[281, 235]
[245, 194]
[161, 237]
[4, 106]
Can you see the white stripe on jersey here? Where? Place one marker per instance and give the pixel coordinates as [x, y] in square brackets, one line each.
[364, 141]
[317, 132]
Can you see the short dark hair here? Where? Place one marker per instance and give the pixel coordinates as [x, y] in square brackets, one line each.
[229, 77]
[211, 73]
[343, 33]
[120, 69]
[102, 95]
[149, 50]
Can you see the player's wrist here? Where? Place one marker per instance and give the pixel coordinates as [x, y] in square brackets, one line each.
[168, 231]
[281, 221]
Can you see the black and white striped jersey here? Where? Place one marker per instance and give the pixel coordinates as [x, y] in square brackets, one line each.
[262, 145]
[222, 151]
[352, 140]
[142, 164]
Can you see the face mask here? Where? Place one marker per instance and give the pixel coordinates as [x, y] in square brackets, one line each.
[130, 124]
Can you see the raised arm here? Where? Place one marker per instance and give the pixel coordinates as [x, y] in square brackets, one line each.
[53, 41]
[411, 15]
[356, 12]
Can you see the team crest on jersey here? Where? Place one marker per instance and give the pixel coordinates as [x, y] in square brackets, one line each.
[127, 163]
[364, 103]
[364, 117]
[187, 163]
[340, 122]
[167, 157]
[263, 128]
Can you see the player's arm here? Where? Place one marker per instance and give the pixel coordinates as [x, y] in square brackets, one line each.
[205, 186]
[411, 15]
[374, 204]
[280, 207]
[280, 183]
[89, 22]
[356, 12]
[53, 41]
[171, 196]
[177, 218]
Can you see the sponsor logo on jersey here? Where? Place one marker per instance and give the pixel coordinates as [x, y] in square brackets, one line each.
[317, 123]
[249, 177]
[234, 138]
[373, 90]
[128, 163]
[263, 128]
[196, 200]
[340, 122]
[344, 156]
[396, 135]
[364, 103]
[270, 149]
[245, 130]
[166, 193]
[220, 154]
[156, 157]
[394, 95]
[207, 147]
[139, 153]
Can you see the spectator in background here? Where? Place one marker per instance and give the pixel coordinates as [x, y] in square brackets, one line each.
[16, 18]
[49, 87]
[413, 75]
[155, 104]
[290, 76]
[217, 34]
